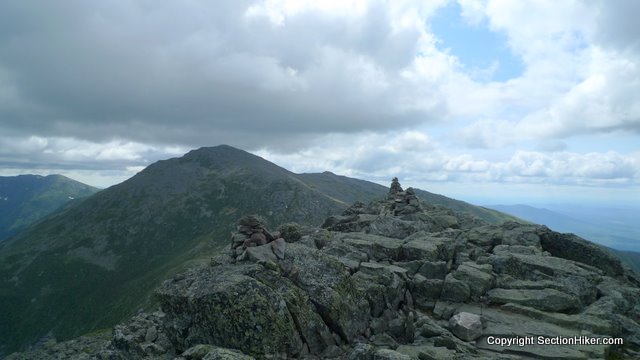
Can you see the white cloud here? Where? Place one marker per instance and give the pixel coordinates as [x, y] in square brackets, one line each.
[414, 156]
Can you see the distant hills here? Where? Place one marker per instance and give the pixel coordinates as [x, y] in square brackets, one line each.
[92, 264]
[25, 199]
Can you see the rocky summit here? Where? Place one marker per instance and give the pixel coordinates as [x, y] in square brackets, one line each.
[393, 279]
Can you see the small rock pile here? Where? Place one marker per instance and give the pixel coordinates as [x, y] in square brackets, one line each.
[248, 243]
[402, 202]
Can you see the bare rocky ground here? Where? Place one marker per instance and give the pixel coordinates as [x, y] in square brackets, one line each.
[394, 279]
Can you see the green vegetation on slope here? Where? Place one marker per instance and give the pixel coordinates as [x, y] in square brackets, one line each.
[91, 265]
[25, 199]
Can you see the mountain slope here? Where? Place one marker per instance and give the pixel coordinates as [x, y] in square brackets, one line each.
[489, 215]
[92, 264]
[25, 199]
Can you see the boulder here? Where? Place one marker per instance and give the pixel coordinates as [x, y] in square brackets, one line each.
[571, 247]
[466, 326]
[331, 289]
[226, 307]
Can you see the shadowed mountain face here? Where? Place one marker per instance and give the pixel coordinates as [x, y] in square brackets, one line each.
[92, 264]
[26, 199]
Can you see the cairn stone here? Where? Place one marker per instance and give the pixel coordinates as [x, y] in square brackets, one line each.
[252, 235]
[395, 188]
[258, 238]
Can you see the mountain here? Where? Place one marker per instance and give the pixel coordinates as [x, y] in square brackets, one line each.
[95, 263]
[25, 199]
[395, 279]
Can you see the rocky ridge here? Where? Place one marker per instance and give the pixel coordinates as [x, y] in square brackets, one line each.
[393, 279]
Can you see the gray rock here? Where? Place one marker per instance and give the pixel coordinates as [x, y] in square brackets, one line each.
[411, 266]
[218, 353]
[571, 247]
[331, 289]
[383, 285]
[421, 246]
[387, 354]
[545, 299]
[151, 335]
[197, 352]
[466, 326]
[263, 253]
[361, 352]
[258, 239]
[384, 340]
[455, 290]
[378, 248]
[433, 269]
[479, 278]
[278, 248]
[425, 291]
[428, 328]
[227, 307]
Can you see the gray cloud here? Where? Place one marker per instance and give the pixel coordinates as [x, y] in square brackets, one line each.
[166, 72]
[618, 26]
[92, 86]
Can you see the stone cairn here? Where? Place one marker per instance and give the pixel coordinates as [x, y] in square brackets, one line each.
[253, 233]
[402, 202]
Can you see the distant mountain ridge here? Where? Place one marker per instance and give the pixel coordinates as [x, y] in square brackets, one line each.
[25, 199]
[109, 251]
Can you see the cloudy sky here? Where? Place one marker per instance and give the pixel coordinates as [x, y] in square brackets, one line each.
[513, 101]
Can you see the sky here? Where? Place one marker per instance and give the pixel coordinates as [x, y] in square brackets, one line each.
[483, 100]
